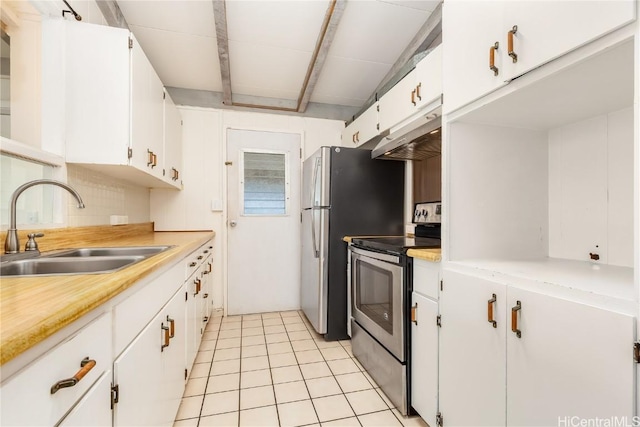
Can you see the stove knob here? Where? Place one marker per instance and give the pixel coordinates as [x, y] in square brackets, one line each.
[425, 212]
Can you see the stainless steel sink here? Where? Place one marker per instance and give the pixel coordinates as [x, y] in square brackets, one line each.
[61, 266]
[145, 251]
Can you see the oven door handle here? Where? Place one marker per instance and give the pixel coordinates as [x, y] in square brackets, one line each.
[376, 255]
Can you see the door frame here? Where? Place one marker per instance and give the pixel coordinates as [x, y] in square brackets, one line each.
[225, 197]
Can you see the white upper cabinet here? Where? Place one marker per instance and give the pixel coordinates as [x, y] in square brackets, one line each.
[172, 153]
[491, 43]
[421, 87]
[114, 105]
[362, 129]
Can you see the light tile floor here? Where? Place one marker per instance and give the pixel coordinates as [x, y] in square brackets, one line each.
[272, 369]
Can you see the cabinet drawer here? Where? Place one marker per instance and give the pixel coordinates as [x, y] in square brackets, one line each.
[196, 258]
[426, 278]
[27, 397]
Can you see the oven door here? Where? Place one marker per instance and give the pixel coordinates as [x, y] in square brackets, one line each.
[377, 281]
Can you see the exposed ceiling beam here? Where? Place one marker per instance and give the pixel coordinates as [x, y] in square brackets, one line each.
[222, 36]
[325, 38]
[112, 13]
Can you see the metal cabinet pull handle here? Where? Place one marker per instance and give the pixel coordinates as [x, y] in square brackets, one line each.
[172, 327]
[205, 296]
[490, 304]
[514, 319]
[200, 257]
[155, 160]
[492, 58]
[167, 337]
[197, 283]
[149, 157]
[418, 91]
[510, 52]
[85, 366]
[414, 313]
[192, 264]
[413, 97]
[210, 267]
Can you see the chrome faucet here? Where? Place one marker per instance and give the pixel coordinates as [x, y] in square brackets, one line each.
[11, 244]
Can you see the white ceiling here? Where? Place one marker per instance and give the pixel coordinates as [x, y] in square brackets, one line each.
[271, 44]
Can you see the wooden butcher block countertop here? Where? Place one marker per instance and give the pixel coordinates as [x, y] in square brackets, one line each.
[34, 308]
[433, 255]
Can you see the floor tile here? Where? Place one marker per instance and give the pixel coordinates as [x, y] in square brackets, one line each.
[249, 332]
[279, 347]
[208, 336]
[226, 382]
[297, 413]
[251, 324]
[272, 322]
[231, 319]
[299, 335]
[382, 395]
[225, 367]
[327, 344]
[413, 421]
[228, 343]
[332, 408]
[218, 403]
[189, 407]
[366, 401]
[321, 387]
[249, 317]
[200, 370]
[291, 392]
[345, 422]
[276, 329]
[315, 370]
[256, 397]
[309, 356]
[292, 313]
[292, 320]
[221, 420]
[286, 374]
[255, 363]
[208, 345]
[280, 337]
[358, 364]
[294, 327]
[342, 366]
[226, 354]
[267, 416]
[255, 378]
[191, 422]
[382, 419]
[334, 353]
[230, 333]
[353, 382]
[282, 359]
[212, 326]
[349, 351]
[254, 350]
[229, 326]
[252, 340]
[196, 386]
[272, 315]
[304, 345]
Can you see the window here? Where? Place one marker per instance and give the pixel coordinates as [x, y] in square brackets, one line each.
[264, 183]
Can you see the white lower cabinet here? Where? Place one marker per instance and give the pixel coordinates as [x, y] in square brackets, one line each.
[149, 374]
[546, 360]
[94, 409]
[424, 356]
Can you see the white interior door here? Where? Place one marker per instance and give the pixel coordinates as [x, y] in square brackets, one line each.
[263, 205]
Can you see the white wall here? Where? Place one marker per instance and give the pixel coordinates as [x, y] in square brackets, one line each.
[203, 174]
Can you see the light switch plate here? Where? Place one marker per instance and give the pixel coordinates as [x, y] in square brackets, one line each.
[216, 205]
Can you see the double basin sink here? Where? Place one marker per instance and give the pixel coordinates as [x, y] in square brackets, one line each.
[80, 261]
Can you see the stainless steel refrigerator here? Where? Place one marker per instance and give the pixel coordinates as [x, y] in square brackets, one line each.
[344, 193]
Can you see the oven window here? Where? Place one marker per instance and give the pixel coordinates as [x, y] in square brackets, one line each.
[374, 294]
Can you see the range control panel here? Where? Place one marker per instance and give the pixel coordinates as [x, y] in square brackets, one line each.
[427, 213]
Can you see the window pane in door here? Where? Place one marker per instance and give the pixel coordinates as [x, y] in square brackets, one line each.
[265, 183]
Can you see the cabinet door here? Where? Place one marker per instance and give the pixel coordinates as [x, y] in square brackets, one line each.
[207, 288]
[428, 78]
[362, 129]
[472, 351]
[194, 328]
[470, 29]
[150, 377]
[424, 358]
[399, 103]
[94, 409]
[172, 157]
[571, 360]
[548, 29]
[146, 114]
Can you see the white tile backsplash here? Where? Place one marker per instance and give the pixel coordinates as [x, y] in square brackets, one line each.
[104, 196]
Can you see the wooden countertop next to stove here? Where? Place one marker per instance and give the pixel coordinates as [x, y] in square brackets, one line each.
[34, 308]
[433, 255]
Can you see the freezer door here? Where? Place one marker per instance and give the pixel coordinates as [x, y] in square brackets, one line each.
[314, 291]
[315, 179]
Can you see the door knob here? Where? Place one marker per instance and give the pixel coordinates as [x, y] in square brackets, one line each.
[233, 223]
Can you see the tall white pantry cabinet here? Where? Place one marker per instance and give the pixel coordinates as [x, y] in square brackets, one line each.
[541, 236]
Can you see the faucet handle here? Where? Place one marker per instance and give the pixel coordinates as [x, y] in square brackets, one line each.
[32, 245]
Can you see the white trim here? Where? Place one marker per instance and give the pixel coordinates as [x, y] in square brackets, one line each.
[28, 152]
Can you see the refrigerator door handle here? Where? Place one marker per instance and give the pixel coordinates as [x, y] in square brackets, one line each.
[316, 250]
